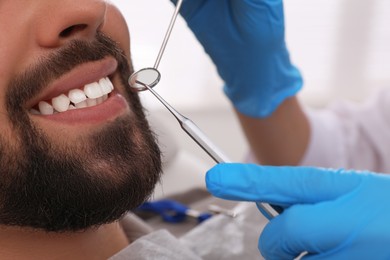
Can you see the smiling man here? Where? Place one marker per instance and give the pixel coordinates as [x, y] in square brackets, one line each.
[76, 153]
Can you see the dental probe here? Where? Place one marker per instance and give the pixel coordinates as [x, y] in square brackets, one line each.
[205, 143]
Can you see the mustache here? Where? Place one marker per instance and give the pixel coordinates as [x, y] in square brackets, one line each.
[37, 76]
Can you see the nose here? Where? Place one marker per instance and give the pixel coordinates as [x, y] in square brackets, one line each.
[59, 22]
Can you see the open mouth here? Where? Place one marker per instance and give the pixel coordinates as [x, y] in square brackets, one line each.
[90, 95]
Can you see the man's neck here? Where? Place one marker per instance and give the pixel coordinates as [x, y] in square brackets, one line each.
[98, 243]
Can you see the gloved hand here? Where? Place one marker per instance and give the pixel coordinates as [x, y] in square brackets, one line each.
[245, 40]
[332, 214]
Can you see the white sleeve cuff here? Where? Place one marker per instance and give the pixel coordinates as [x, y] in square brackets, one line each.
[324, 148]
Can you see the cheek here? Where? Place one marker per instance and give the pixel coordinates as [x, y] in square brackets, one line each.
[15, 41]
[115, 26]
[10, 57]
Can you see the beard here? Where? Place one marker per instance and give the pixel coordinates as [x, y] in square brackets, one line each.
[60, 187]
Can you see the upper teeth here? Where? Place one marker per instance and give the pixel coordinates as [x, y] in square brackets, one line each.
[92, 95]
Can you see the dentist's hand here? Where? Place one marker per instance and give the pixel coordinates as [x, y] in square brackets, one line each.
[330, 214]
[245, 40]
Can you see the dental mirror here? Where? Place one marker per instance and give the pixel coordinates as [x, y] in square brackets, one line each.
[148, 76]
[151, 76]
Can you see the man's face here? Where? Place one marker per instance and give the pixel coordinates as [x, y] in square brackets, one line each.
[67, 163]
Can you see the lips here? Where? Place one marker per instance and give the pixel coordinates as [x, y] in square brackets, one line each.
[87, 85]
[85, 94]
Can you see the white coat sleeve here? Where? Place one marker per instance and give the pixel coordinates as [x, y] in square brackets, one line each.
[351, 136]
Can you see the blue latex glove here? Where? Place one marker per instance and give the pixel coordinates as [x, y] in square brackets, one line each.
[332, 214]
[245, 40]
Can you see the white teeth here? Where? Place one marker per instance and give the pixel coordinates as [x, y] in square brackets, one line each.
[77, 96]
[99, 100]
[45, 108]
[81, 104]
[91, 102]
[93, 90]
[61, 103]
[91, 95]
[35, 112]
[106, 85]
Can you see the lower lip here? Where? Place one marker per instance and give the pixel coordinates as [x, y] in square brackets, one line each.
[113, 107]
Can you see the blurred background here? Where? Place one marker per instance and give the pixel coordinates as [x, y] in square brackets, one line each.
[340, 46]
